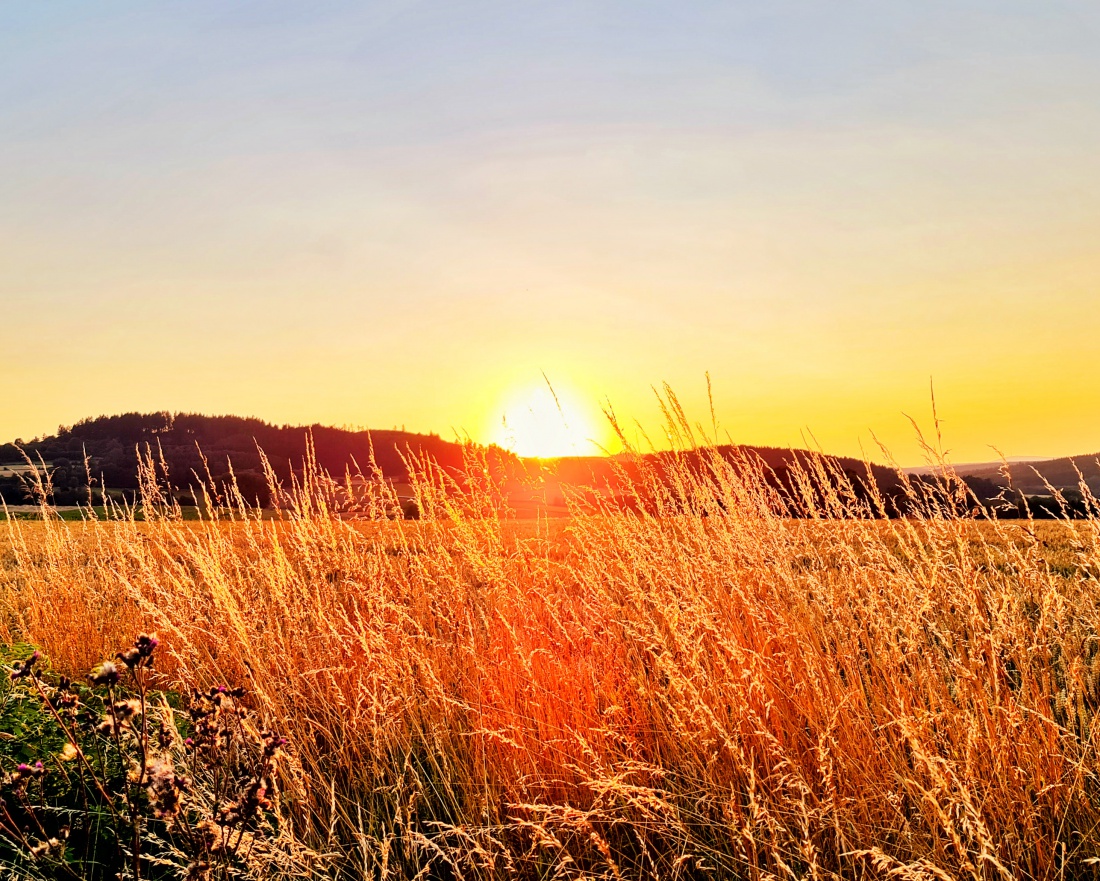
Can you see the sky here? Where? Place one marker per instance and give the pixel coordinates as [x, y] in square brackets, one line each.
[416, 213]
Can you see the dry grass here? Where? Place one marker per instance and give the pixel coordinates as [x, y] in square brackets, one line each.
[626, 695]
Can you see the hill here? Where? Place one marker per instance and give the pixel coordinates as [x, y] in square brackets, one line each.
[185, 439]
[1032, 477]
[194, 445]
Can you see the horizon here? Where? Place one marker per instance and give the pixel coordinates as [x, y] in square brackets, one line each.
[496, 222]
[455, 438]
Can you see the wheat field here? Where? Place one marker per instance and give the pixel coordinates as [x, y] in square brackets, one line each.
[647, 693]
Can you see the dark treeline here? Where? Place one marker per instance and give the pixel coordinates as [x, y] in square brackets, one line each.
[231, 446]
[111, 445]
[1035, 478]
[809, 484]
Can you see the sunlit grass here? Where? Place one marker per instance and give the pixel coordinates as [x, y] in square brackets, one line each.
[627, 694]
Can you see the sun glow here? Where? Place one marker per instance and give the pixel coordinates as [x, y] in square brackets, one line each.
[546, 422]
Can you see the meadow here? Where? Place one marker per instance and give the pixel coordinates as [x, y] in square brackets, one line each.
[703, 686]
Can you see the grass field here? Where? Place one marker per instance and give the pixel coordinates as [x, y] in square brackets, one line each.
[626, 695]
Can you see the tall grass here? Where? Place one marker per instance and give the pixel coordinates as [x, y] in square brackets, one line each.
[693, 685]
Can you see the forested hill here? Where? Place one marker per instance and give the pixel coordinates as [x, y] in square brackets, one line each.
[1033, 477]
[779, 460]
[111, 444]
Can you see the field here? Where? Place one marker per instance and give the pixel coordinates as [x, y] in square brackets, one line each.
[706, 690]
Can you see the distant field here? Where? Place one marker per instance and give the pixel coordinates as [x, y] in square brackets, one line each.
[16, 469]
[617, 695]
[61, 512]
[76, 513]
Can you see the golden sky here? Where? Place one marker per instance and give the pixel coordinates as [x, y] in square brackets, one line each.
[407, 213]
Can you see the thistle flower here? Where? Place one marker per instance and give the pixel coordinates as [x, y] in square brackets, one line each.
[108, 727]
[165, 789]
[198, 870]
[141, 653]
[127, 708]
[23, 669]
[106, 673]
[164, 736]
[50, 845]
[24, 773]
[272, 744]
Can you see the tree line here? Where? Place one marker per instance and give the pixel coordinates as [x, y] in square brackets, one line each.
[197, 448]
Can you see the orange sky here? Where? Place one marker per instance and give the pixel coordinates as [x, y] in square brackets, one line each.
[407, 213]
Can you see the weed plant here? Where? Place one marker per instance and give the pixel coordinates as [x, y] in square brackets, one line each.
[109, 780]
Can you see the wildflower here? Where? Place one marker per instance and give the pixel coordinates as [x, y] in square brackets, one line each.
[141, 653]
[198, 870]
[165, 789]
[50, 845]
[111, 727]
[126, 709]
[67, 700]
[24, 773]
[105, 674]
[209, 834]
[23, 669]
[164, 736]
[272, 744]
[253, 800]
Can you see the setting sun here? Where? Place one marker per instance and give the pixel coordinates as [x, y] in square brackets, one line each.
[546, 422]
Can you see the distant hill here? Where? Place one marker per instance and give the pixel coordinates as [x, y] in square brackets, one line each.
[111, 444]
[1029, 477]
[579, 470]
[778, 465]
[975, 467]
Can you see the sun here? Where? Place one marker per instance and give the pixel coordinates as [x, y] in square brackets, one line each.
[546, 423]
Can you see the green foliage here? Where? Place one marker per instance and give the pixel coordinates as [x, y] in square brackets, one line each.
[114, 779]
[26, 728]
